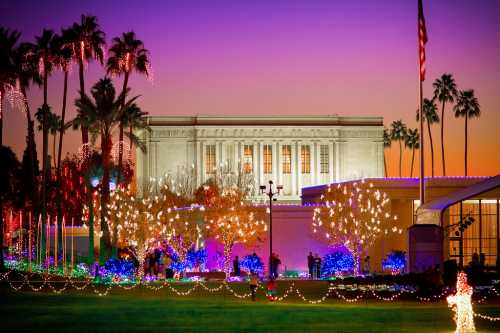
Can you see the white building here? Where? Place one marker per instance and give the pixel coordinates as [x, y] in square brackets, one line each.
[293, 151]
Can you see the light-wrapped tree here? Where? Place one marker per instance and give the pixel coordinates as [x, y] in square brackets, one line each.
[230, 219]
[353, 214]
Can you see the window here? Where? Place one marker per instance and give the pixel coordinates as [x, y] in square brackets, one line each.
[286, 152]
[247, 158]
[210, 159]
[305, 154]
[323, 156]
[268, 159]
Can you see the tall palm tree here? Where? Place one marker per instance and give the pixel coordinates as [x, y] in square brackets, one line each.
[53, 126]
[88, 43]
[28, 74]
[8, 41]
[467, 106]
[105, 111]
[387, 144]
[398, 133]
[431, 116]
[412, 142]
[45, 54]
[445, 90]
[127, 54]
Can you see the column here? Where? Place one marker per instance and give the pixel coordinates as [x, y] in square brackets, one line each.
[261, 164]
[202, 162]
[314, 174]
[294, 169]
[197, 162]
[337, 161]
[330, 162]
[223, 157]
[255, 164]
[299, 168]
[279, 166]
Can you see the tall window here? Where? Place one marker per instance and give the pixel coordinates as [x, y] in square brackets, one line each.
[210, 159]
[247, 158]
[305, 154]
[268, 159]
[286, 152]
[324, 161]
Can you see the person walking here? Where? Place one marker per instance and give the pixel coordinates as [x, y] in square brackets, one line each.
[253, 282]
[236, 266]
[310, 264]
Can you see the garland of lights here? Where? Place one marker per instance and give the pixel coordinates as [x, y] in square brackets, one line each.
[462, 306]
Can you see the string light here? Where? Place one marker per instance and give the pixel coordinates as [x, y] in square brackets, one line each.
[461, 304]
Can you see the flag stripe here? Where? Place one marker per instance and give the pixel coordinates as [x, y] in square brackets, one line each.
[422, 39]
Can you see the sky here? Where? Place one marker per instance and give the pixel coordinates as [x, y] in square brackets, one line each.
[356, 57]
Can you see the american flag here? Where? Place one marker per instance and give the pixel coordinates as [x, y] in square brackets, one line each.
[422, 39]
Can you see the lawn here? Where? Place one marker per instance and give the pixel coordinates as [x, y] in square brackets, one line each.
[143, 310]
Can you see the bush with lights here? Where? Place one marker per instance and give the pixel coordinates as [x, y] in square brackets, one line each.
[252, 264]
[337, 263]
[395, 262]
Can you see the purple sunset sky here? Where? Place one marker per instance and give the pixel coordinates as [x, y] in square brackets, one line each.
[290, 57]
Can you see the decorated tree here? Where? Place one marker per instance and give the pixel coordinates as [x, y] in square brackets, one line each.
[354, 215]
[231, 220]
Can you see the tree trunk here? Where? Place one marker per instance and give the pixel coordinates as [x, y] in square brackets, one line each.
[105, 238]
[90, 204]
[432, 147]
[400, 156]
[141, 257]
[442, 140]
[58, 166]
[44, 161]
[465, 160]
[385, 166]
[2, 263]
[32, 154]
[228, 248]
[412, 160]
[114, 247]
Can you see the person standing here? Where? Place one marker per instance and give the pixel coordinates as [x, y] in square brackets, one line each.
[254, 282]
[236, 266]
[310, 264]
[317, 262]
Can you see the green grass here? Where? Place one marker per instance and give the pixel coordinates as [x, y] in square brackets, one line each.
[142, 310]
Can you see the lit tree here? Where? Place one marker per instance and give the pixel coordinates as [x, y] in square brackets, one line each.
[353, 215]
[231, 220]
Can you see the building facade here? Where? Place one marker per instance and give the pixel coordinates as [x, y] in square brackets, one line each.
[293, 151]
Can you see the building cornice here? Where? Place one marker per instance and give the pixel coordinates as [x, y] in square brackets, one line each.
[292, 120]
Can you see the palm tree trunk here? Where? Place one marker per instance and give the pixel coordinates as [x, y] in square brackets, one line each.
[32, 154]
[54, 137]
[432, 147]
[400, 156]
[465, 160]
[2, 263]
[412, 160]
[120, 153]
[105, 239]
[44, 167]
[58, 166]
[385, 166]
[442, 140]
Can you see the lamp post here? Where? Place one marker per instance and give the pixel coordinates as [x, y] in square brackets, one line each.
[271, 195]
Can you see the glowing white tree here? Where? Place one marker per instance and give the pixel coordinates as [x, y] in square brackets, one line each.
[353, 214]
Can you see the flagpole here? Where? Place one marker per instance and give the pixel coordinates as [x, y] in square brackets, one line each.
[421, 150]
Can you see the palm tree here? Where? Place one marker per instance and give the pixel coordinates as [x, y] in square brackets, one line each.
[88, 43]
[412, 142]
[104, 112]
[468, 107]
[387, 144]
[127, 54]
[398, 133]
[53, 126]
[27, 71]
[431, 116]
[45, 54]
[8, 41]
[445, 90]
